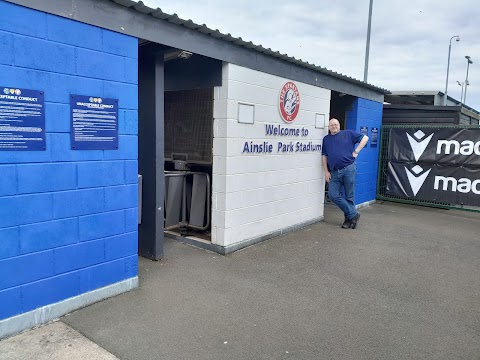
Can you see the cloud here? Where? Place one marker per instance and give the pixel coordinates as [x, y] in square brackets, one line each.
[409, 41]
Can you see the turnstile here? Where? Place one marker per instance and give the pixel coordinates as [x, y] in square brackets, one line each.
[187, 200]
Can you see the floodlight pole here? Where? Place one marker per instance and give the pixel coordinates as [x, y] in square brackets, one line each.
[461, 94]
[448, 68]
[469, 61]
[367, 49]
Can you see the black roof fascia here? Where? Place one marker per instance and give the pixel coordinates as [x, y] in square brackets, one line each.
[422, 107]
[136, 19]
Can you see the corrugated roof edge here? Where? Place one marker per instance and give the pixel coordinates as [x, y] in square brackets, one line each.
[158, 13]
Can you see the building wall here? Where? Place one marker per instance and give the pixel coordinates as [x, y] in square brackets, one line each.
[255, 194]
[68, 219]
[366, 113]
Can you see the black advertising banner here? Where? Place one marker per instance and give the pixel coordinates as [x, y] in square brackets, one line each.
[94, 123]
[437, 165]
[436, 146]
[437, 183]
[22, 119]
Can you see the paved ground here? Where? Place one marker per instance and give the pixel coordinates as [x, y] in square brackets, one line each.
[55, 341]
[404, 285]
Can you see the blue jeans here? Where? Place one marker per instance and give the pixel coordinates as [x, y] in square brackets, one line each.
[344, 179]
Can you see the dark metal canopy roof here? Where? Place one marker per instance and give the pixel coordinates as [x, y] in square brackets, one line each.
[411, 98]
[423, 97]
[158, 13]
[135, 19]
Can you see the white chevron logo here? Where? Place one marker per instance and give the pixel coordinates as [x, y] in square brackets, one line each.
[416, 181]
[419, 147]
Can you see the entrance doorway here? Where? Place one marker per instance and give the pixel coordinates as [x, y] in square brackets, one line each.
[176, 103]
[340, 104]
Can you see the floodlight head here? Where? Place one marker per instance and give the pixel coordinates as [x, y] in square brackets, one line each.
[176, 54]
[185, 55]
[457, 39]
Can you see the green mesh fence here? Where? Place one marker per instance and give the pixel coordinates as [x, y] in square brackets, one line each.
[383, 168]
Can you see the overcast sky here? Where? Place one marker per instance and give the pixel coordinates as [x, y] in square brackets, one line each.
[409, 39]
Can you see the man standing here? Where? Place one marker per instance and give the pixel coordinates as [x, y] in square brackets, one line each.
[338, 160]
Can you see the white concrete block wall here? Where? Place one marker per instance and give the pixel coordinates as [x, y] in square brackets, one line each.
[255, 194]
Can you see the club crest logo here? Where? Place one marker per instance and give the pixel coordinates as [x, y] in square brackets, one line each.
[8, 91]
[289, 102]
[95, 100]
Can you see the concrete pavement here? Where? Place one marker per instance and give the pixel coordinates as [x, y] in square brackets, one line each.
[404, 285]
[54, 341]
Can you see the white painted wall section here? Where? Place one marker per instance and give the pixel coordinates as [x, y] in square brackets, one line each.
[255, 194]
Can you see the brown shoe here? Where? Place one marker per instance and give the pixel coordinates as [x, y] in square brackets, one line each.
[354, 221]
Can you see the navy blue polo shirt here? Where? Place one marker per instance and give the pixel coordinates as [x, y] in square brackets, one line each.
[338, 148]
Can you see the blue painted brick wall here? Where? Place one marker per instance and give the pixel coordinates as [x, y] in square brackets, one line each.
[59, 288]
[40, 178]
[48, 235]
[10, 242]
[67, 218]
[54, 113]
[101, 275]
[78, 256]
[19, 20]
[109, 67]
[131, 172]
[81, 35]
[7, 180]
[80, 202]
[120, 246]
[118, 197]
[11, 300]
[6, 42]
[101, 225]
[62, 57]
[101, 173]
[366, 113]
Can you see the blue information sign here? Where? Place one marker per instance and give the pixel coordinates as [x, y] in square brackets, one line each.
[94, 123]
[22, 119]
[374, 137]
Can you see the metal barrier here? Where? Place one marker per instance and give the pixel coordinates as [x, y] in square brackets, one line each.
[187, 200]
[383, 168]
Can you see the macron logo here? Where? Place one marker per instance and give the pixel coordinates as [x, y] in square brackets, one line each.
[418, 146]
[416, 181]
[415, 177]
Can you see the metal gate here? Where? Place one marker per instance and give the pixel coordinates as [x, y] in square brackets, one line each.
[383, 169]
